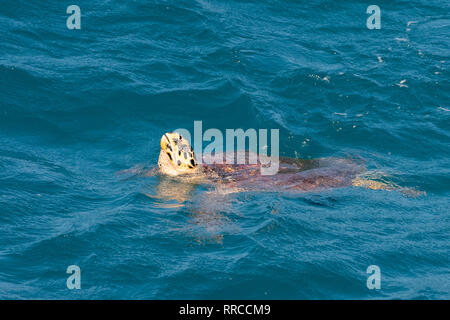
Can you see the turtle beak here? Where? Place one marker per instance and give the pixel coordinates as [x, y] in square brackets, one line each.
[166, 145]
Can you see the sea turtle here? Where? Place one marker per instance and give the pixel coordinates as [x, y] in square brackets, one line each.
[177, 159]
[181, 175]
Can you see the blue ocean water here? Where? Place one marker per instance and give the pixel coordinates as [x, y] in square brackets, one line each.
[77, 107]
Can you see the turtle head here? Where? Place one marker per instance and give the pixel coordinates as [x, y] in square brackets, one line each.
[176, 156]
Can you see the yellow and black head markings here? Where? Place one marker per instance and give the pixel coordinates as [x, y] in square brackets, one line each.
[176, 156]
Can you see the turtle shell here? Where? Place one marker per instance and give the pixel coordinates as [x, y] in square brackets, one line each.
[295, 174]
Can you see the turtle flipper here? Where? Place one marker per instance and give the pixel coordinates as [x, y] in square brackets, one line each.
[371, 184]
[376, 180]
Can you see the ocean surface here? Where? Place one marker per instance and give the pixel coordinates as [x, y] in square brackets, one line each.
[82, 113]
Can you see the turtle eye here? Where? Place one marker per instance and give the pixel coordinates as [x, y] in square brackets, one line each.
[170, 157]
